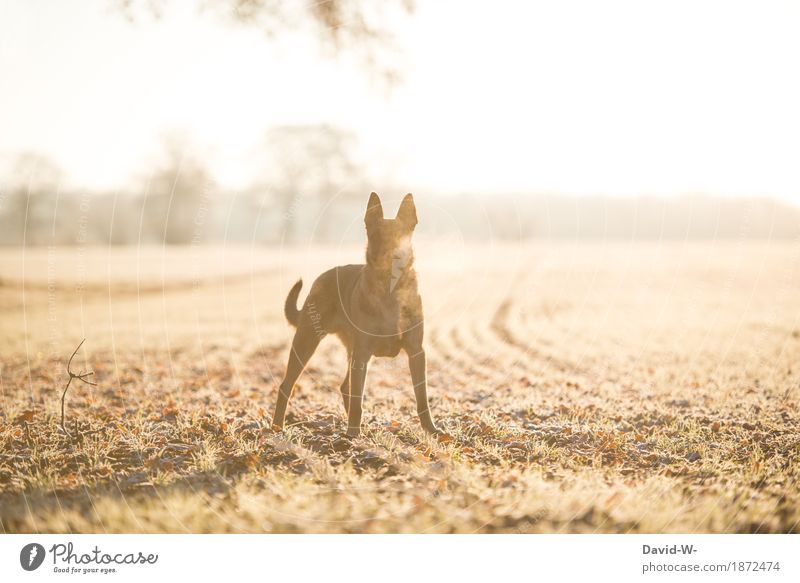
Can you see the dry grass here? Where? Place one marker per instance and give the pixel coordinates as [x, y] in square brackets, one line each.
[584, 388]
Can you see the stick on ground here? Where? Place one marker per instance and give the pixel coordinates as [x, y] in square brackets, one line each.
[82, 376]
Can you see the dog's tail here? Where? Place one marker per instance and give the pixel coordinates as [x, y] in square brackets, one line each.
[290, 307]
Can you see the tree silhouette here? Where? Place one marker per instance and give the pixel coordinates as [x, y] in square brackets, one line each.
[28, 216]
[309, 162]
[178, 194]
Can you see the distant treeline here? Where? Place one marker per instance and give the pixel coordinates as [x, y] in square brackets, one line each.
[202, 214]
[313, 188]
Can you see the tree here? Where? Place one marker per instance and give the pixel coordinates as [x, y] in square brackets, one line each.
[178, 196]
[29, 214]
[358, 27]
[310, 162]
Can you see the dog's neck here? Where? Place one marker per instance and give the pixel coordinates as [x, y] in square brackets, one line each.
[386, 274]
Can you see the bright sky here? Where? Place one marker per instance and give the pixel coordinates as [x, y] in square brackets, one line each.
[574, 97]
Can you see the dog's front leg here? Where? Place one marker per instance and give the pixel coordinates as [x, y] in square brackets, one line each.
[416, 362]
[358, 375]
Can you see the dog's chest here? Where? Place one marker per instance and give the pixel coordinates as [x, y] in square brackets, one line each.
[387, 345]
[384, 332]
[382, 320]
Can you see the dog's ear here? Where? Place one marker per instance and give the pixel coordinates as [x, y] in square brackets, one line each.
[374, 210]
[407, 213]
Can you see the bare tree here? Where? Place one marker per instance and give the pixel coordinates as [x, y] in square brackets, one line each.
[177, 197]
[29, 212]
[310, 163]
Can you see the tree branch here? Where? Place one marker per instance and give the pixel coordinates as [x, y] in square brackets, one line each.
[81, 376]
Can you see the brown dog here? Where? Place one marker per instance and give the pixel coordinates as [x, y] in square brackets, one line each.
[373, 308]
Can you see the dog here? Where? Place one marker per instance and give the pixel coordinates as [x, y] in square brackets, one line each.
[375, 310]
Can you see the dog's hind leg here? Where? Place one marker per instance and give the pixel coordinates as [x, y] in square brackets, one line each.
[304, 344]
[345, 386]
[345, 390]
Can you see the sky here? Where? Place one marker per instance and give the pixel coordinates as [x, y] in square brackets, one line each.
[619, 98]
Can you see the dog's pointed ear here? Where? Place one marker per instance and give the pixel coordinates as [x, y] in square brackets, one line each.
[407, 213]
[374, 209]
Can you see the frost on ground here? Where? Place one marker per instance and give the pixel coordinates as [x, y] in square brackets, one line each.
[583, 387]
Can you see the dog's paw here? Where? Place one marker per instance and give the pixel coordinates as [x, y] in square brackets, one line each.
[440, 435]
[353, 432]
[341, 443]
[443, 437]
[433, 430]
[276, 428]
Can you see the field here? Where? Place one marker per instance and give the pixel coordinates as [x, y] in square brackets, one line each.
[584, 387]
